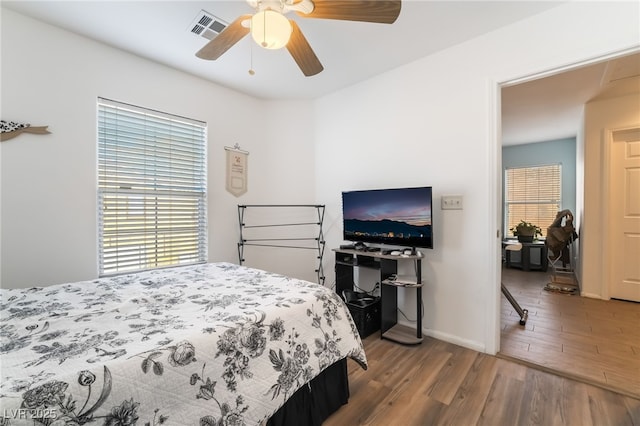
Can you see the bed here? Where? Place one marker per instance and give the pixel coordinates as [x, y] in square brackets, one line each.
[213, 344]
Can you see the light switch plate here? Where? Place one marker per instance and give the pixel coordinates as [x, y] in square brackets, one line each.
[451, 202]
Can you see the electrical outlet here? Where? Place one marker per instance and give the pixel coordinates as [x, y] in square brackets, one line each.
[451, 202]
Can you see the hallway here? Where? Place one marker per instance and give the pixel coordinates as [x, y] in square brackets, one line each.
[591, 340]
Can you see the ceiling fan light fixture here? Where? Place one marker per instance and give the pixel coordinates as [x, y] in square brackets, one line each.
[270, 29]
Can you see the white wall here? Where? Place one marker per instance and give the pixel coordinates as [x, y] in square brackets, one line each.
[435, 122]
[48, 183]
[286, 153]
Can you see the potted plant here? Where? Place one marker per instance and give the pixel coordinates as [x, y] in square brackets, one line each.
[526, 231]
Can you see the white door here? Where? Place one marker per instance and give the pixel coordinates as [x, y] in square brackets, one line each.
[624, 215]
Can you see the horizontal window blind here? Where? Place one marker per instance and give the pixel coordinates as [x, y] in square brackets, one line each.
[151, 189]
[532, 194]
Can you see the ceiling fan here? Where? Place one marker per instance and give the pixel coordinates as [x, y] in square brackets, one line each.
[272, 30]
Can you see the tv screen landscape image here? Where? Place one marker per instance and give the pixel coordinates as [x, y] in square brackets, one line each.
[396, 216]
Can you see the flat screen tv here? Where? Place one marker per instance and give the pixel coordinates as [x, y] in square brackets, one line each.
[396, 216]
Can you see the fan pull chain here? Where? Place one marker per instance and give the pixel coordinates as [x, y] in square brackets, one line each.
[264, 29]
[251, 70]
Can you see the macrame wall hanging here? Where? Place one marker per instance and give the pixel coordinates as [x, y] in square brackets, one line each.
[11, 129]
[237, 170]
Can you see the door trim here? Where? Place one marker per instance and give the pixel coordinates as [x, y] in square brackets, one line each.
[607, 214]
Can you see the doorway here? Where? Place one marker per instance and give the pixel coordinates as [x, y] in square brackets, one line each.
[572, 318]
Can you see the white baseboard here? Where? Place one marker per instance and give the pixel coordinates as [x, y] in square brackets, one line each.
[591, 295]
[450, 338]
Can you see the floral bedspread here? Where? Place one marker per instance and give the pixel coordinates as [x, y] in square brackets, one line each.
[215, 344]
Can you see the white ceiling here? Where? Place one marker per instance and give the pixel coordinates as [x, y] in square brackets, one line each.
[551, 108]
[350, 51]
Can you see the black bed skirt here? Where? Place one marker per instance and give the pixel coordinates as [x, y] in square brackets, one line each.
[312, 404]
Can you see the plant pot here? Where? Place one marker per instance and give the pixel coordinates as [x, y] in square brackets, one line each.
[525, 238]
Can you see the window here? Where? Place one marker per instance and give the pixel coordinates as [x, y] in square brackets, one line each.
[532, 194]
[151, 189]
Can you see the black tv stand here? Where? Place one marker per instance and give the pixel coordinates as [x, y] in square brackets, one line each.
[347, 260]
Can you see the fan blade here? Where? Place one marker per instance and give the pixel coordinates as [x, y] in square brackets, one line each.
[377, 11]
[302, 53]
[223, 41]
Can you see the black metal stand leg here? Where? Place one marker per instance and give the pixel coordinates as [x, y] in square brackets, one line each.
[524, 314]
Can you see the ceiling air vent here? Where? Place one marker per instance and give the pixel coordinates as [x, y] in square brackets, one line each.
[206, 25]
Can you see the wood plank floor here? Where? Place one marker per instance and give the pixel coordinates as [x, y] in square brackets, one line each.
[438, 383]
[593, 340]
